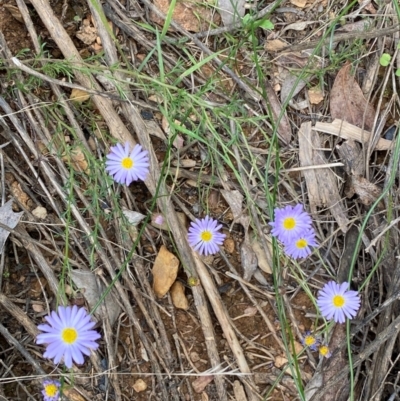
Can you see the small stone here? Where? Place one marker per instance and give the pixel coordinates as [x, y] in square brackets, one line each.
[40, 212]
[178, 296]
[140, 385]
[229, 245]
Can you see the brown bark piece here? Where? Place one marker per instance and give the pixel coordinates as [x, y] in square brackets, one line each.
[321, 183]
[345, 130]
[352, 158]
[348, 101]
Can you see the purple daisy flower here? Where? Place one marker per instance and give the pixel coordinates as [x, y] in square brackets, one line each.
[324, 351]
[310, 341]
[300, 247]
[204, 237]
[290, 223]
[51, 390]
[69, 335]
[126, 166]
[337, 302]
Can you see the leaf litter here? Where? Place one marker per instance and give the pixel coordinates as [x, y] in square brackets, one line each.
[317, 163]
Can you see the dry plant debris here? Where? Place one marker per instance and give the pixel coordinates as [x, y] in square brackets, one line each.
[281, 105]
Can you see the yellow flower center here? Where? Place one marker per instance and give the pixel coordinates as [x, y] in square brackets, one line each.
[309, 340]
[206, 236]
[50, 389]
[323, 350]
[289, 223]
[338, 301]
[301, 243]
[69, 335]
[127, 163]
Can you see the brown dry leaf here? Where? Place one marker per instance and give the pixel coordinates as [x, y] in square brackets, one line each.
[263, 263]
[238, 390]
[347, 101]
[78, 160]
[178, 296]
[164, 271]
[280, 361]
[229, 245]
[367, 191]
[315, 95]
[235, 200]
[37, 308]
[14, 11]
[21, 196]
[274, 45]
[249, 260]
[321, 182]
[79, 96]
[284, 128]
[201, 382]
[87, 34]
[299, 3]
[87, 283]
[193, 17]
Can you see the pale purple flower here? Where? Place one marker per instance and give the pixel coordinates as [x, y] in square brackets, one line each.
[300, 247]
[68, 335]
[158, 219]
[290, 223]
[310, 341]
[125, 165]
[204, 236]
[51, 390]
[338, 302]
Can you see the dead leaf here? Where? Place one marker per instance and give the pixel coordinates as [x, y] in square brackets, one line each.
[298, 26]
[193, 17]
[133, 217]
[178, 141]
[164, 271]
[284, 127]
[14, 11]
[321, 182]
[37, 308]
[315, 95]
[289, 88]
[201, 382]
[235, 200]
[248, 260]
[87, 34]
[347, 101]
[77, 159]
[367, 191]
[87, 283]
[274, 45]
[20, 195]
[79, 96]
[280, 361]
[178, 296]
[231, 11]
[263, 263]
